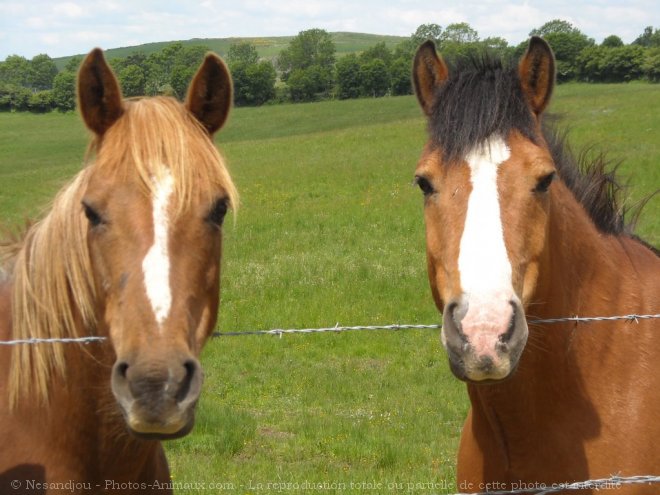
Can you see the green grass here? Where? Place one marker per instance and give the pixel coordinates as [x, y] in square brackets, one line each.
[330, 231]
[267, 47]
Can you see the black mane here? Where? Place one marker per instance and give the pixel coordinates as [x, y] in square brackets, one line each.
[483, 97]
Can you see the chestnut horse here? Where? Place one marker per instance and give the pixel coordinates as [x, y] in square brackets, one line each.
[130, 251]
[514, 228]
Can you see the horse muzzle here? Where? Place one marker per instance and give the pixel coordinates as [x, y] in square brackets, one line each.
[484, 342]
[158, 399]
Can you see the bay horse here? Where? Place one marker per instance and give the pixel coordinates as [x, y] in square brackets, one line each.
[129, 251]
[515, 229]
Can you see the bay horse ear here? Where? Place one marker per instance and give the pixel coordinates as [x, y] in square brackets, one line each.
[99, 95]
[537, 74]
[210, 93]
[429, 72]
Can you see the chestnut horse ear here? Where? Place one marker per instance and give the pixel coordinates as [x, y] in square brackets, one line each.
[429, 72]
[99, 95]
[210, 93]
[537, 74]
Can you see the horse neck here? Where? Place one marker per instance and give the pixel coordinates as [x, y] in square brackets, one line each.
[583, 272]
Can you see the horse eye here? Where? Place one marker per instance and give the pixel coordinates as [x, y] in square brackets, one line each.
[424, 185]
[92, 215]
[544, 182]
[217, 214]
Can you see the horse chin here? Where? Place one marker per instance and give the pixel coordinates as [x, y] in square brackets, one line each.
[459, 371]
[152, 428]
[164, 436]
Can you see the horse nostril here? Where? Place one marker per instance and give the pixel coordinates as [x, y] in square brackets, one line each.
[121, 369]
[511, 329]
[191, 368]
[456, 311]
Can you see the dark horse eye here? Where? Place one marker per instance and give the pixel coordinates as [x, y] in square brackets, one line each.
[92, 215]
[544, 182]
[217, 214]
[424, 185]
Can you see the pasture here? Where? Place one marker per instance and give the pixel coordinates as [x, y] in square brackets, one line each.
[330, 230]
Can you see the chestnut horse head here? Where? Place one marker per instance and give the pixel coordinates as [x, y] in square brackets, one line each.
[131, 249]
[485, 174]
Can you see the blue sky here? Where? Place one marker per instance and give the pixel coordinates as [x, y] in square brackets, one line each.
[69, 27]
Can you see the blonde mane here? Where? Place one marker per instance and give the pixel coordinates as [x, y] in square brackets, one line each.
[54, 293]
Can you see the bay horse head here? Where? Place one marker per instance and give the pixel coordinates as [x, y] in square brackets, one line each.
[485, 174]
[154, 199]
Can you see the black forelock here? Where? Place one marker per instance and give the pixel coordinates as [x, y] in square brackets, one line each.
[481, 98]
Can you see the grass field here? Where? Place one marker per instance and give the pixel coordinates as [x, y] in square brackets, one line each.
[330, 231]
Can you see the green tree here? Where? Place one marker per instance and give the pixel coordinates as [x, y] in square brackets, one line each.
[651, 65]
[649, 38]
[169, 71]
[180, 79]
[348, 77]
[42, 72]
[254, 81]
[612, 41]
[242, 52]
[498, 45]
[426, 32]
[377, 52]
[603, 64]
[407, 48]
[41, 101]
[375, 78]
[254, 84]
[14, 98]
[555, 26]
[400, 80]
[15, 70]
[459, 32]
[313, 47]
[310, 83]
[567, 42]
[64, 91]
[74, 64]
[132, 80]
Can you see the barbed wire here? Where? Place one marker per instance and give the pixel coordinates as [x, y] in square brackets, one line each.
[61, 340]
[632, 318]
[613, 482]
[278, 331]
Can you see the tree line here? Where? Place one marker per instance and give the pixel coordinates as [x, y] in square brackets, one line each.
[309, 69]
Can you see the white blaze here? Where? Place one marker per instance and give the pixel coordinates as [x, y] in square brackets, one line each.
[484, 265]
[156, 264]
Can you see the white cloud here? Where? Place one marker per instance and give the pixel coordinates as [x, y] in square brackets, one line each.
[36, 22]
[50, 38]
[68, 9]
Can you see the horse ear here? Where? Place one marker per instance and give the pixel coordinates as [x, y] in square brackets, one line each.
[210, 93]
[99, 95]
[429, 72]
[537, 74]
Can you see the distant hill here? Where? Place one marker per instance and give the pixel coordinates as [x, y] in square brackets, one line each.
[268, 47]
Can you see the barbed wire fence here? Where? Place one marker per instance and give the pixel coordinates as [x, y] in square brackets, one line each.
[632, 318]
